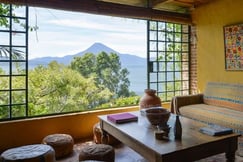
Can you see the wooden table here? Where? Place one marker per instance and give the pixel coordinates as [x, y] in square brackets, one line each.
[194, 145]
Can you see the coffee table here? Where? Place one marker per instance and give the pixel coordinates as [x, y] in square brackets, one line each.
[194, 145]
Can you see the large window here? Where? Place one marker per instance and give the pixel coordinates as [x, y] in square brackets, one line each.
[168, 59]
[55, 87]
[13, 62]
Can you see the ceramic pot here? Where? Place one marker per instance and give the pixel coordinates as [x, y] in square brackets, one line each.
[149, 99]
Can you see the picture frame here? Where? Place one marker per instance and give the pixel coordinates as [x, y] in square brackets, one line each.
[233, 43]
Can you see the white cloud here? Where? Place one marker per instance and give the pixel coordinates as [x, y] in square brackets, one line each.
[61, 33]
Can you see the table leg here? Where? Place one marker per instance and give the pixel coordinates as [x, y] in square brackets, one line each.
[230, 156]
[104, 137]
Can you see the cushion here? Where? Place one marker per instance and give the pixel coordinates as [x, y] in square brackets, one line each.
[29, 153]
[61, 143]
[214, 114]
[224, 95]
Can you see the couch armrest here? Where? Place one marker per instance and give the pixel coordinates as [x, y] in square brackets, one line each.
[179, 101]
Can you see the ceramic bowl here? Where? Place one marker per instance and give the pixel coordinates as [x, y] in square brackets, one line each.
[157, 115]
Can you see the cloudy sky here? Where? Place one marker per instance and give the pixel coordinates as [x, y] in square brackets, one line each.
[66, 33]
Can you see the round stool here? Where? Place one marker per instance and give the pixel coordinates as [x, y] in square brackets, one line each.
[100, 152]
[61, 143]
[97, 132]
[29, 153]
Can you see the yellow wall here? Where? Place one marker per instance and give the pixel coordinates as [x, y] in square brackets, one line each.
[209, 20]
[31, 131]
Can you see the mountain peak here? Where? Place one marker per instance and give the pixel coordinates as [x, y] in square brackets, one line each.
[99, 47]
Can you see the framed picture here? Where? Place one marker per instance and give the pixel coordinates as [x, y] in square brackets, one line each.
[233, 41]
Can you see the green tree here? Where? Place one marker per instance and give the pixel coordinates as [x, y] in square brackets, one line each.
[107, 70]
[56, 89]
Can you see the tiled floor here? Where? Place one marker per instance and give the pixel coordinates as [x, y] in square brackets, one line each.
[125, 154]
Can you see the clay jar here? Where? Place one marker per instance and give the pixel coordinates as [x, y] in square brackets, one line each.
[149, 99]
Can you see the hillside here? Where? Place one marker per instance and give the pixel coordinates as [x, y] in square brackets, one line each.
[126, 59]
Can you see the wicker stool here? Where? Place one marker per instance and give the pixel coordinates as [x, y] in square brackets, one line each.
[100, 152]
[29, 153]
[61, 143]
[97, 132]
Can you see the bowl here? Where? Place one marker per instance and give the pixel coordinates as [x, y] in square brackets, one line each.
[157, 115]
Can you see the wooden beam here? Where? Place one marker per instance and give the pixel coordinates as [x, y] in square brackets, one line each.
[106, 8]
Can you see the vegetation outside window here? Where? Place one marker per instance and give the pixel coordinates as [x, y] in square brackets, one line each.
[90, 81]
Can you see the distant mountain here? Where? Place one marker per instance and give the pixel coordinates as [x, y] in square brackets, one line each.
[96, 48]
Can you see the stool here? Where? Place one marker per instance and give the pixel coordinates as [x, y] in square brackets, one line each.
[61, 143]
[29, 153]
[100, 152]
[97, 131]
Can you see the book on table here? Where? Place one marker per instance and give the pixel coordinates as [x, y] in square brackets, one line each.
[122, 117]
[216, 130]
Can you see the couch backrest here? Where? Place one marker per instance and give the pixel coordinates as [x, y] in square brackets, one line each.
[224, 94]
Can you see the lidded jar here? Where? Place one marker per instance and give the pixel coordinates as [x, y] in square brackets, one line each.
[149, 99]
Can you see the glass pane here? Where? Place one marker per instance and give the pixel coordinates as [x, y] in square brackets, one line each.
[185, 75]
[4, 83]
[177, 47]
[185, 28]
[185, 38]
[4, 39]
[155, 67]
[153, 86]
[152, 56]
[161, 26]
[18, 82]
[17, 24]
[170, 66]
[169, 96]
[161, 87]
[18, 68]
[185, 47]
[19, 54]
[185, 66]
[170, 76]
[4, 66]
[170, 46]
[177, 56]
[18, 111]
[161, 77]
[185, 85]
[185, 57]
[161, 56]
[178, 86]
[153, 77]
[4, 98]
[170, 86]
[163, 97]
[152, 25]
[169, 27]
[153, 46]
[178, 66]
[177, 75]
[18, 97]
[5, 23]
[161, 66]
[18, 39]
[178, 37]
[19, 11]
[177, 27]
[161, 46]
[4, 112]
[152, 35]
[170, 37]
[161, 36]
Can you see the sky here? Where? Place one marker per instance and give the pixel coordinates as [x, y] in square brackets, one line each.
[63, 33]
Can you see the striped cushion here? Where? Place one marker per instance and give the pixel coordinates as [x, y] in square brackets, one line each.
[224, 94]
[214, 114]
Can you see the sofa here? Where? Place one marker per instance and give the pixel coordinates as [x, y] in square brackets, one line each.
[220, 103]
